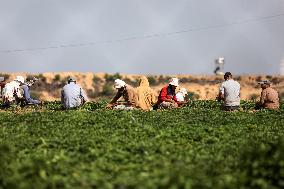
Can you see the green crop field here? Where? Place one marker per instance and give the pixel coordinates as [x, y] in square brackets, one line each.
[193, 147]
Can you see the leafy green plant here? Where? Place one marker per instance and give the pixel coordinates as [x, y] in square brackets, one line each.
[197, 146]
[57, 78]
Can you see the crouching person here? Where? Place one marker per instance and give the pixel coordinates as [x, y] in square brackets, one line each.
[26, 92]
[72, 95]
[12, 93]
[167, 97]
[180, 96]
[127, 92]
[146, 95]
[269, 98]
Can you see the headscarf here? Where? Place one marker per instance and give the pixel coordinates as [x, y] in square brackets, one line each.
[146, 96]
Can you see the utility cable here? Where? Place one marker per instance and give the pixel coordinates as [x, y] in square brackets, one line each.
[155, 35]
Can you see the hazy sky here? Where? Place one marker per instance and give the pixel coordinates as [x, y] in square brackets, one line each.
[250, 47]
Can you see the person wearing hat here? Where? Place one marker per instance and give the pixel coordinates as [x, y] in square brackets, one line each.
[230, 93]
[167, 97]
[26, 92]
[12, 91]
[127, 92]
[72, 95]
[180, 96]
[269, 98]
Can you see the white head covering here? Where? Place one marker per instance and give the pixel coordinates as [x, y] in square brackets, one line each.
[183, 91]
[174, 82]
[118, 83]
[20, 79]
[71, 79]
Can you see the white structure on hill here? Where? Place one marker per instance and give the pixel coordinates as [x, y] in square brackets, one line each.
[219, 62]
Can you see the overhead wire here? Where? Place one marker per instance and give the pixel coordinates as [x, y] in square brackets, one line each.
[154, 35]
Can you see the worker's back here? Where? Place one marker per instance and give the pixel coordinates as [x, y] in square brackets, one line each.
[10, 90]
[231, 91]
[71, 95]
[270, 98]
[146, 96]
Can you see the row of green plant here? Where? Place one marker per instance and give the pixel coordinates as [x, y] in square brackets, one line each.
[92, 106]
[192, 147]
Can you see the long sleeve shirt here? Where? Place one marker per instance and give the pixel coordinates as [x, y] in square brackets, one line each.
[128, 93]
[72, 95]
[269, 98]
[27, 95]
[166, 93]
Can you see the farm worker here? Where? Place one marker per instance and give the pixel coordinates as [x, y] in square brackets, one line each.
[2, 85]
[72, 95]
[146, 96]
[180, 96]
[12, 92]
[26, 91]
[167, 98]
[127, 92]
[230, 93]
[269, 98]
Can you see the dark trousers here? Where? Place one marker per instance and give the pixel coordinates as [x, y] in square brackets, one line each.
[230, 108]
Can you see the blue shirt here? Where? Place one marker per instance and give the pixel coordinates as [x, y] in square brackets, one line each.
[72, 95]
[27, 95]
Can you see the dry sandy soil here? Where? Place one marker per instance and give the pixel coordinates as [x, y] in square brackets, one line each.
[206, 87]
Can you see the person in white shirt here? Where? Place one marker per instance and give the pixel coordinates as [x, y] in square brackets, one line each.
[72, 95]
[180, 96]
[230, 93]
[12, 92]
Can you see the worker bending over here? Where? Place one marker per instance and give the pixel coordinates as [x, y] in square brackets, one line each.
[26, 92]
[180, 96]
[127, 92]
[167, 97]
[12, 93]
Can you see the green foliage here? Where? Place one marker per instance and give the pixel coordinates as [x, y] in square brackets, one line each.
[198, 146]
[41, 77]
[262, 165]
[254, 97]
[6, 76]
[35, 95]
[108, 90]
[133, 83]
[193, 96]
[163, 79]
[152, 80]
[97, 79]
[110, 78]
[57, 78]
